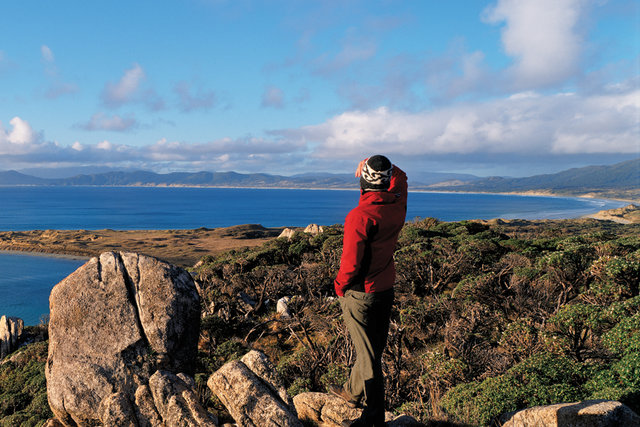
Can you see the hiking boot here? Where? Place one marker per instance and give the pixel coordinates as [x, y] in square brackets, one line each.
[342, 393]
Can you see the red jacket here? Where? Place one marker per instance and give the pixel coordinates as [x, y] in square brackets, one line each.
[370, 236]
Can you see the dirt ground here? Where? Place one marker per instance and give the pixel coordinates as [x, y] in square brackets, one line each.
[180, 247]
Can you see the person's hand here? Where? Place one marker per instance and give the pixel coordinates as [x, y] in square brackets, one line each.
[359, 168]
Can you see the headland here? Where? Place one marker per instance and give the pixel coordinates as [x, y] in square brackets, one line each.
[180, 247]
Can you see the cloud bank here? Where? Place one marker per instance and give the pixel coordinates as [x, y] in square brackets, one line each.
[522, 124]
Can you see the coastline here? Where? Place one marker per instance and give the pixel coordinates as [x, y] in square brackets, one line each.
[535, 193]
[44, 254]
[419, 189]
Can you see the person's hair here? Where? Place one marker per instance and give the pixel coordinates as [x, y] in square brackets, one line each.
[376, 174]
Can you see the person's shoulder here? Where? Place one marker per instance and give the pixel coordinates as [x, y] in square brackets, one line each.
[358, 215]
[356, 211]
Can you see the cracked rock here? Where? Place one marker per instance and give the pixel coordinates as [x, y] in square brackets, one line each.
[253, 394]
[114, 322]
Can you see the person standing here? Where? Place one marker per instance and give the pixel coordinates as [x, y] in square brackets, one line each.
[364, 283]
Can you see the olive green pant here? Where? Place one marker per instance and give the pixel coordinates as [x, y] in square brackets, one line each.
[366, 316]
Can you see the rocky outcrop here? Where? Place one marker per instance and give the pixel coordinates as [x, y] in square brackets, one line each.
[314, 229]
[326, 410]
[323, 409]
[10, 331]
[287, 233]
[121, 327]
[175, 400]
[592, 413]
[252, 393]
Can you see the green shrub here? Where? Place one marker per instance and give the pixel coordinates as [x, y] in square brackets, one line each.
[299, 385]
[336, 374]
[624, 338]
[23, 392]
[540, 380]
[576, 323]
[478, 402]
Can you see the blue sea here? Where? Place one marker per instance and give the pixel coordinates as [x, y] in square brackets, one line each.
[26, 280]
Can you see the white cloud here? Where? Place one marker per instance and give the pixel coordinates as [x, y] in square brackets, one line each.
[602, 121]
[116, 94]
[101, 121]
[273, 97]
[21, 134]
[542, 36]
[47, 54]
[129, 90]
[105, 145]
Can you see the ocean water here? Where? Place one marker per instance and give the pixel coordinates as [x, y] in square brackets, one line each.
[146, 208]
[26, 280]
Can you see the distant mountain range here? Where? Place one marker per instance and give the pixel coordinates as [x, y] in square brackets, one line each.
[623, 179]
[620, 176]
[211, 179]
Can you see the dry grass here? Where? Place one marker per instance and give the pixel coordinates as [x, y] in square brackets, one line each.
[180, 247]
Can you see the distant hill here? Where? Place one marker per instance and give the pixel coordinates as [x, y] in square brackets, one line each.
[204, 179]
[622, 178]
[17, 178]
[211, 179]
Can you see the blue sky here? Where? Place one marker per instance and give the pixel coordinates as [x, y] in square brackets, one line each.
[503, 87]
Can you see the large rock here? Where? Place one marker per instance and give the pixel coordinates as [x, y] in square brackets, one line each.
[10, 331]
[287, 233]
[176, 401]
[326, 410]
[591, 413]
[262, 367]
[314, 229]
[252, 393]
[323, 409]
[113, 323]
